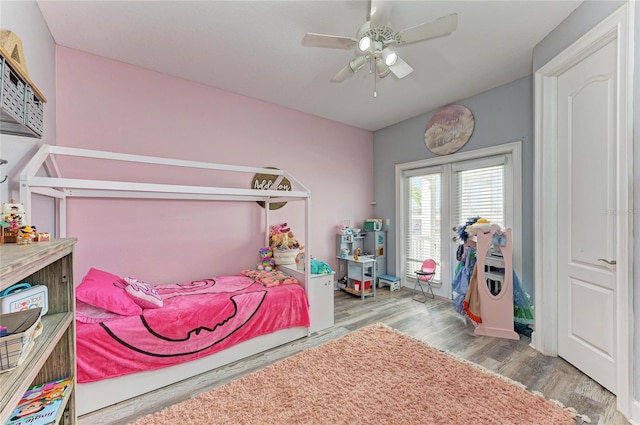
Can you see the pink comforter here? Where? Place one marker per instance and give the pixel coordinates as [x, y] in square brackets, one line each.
[197, 319]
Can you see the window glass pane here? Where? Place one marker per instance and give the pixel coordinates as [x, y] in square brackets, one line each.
[422, 222]
[480, 192]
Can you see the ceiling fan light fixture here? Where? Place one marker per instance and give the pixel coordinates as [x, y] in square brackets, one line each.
[390, 57]
[382, 69]
[364, 43]
[357, 63]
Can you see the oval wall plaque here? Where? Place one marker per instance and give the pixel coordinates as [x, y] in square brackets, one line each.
[265, 182]
[449, 129]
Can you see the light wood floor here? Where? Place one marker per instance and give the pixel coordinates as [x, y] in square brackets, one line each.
[434, 322]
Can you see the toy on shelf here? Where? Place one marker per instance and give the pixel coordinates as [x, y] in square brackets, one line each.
[283, 244]
[281, 238]
[277, 229]
[300, 260]
[3, 225]
[373, 224]
[14, 214]
[13, 226]
[26, 235]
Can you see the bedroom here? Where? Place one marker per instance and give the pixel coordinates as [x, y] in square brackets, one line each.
[144, 105]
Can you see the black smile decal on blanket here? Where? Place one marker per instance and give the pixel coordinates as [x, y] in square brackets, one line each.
[244, 308]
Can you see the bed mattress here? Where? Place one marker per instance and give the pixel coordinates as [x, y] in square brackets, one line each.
[197, 319]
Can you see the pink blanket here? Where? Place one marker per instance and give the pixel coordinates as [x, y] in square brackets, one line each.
[197, 319]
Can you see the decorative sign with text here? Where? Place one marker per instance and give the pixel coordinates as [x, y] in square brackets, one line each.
[449, 129]
[265, 182]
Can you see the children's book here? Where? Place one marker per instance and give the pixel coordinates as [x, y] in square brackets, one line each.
[42, 404]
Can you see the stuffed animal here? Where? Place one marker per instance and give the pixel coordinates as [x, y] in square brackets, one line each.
[267, 262]
[276, 229]
[26, 234]
[293, 242]
[280, 241]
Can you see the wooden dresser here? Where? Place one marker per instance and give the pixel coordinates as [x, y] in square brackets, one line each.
[54, 354]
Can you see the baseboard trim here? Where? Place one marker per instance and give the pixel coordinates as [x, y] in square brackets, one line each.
[635, 413]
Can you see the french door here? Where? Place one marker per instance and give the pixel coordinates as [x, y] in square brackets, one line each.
[438, 197]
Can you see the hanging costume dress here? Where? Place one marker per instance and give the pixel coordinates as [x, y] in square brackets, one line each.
[465, 277]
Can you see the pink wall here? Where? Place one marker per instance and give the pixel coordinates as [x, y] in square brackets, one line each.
[108, 105]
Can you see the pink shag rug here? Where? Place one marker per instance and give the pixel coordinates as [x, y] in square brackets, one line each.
[375, 375]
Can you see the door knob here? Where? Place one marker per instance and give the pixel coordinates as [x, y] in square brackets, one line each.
[610, 262]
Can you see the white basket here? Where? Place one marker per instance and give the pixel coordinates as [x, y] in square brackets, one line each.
[285, 257]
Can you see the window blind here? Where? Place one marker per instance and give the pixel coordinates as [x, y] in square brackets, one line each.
[422, 222]
[479, 192]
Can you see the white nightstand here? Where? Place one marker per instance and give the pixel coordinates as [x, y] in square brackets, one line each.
[320, 293]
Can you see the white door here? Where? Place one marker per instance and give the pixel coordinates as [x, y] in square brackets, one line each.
[587, 216]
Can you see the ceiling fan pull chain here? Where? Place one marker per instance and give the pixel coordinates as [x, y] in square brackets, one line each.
[375, 84]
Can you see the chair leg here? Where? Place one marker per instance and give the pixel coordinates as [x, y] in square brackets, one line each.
[430, 289]
[424, 296]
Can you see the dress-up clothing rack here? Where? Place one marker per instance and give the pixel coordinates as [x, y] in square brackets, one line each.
[496, 310]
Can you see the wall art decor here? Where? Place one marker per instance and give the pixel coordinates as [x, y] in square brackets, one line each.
[449, 129]
[265, 182]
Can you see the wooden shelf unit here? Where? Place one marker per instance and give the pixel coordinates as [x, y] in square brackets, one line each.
[54, 354]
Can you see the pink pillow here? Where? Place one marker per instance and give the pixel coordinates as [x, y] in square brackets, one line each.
[105, 290]
[143, 293]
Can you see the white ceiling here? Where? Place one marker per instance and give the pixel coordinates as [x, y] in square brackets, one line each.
[254, 48]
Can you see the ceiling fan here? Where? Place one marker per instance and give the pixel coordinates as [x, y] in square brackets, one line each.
[375, 38]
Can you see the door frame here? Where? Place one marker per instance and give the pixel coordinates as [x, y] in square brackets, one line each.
[619, 26]
[513, 212]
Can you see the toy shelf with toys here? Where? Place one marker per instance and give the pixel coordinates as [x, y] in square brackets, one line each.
[14, 227]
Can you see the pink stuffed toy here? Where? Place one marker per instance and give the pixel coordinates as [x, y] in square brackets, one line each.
[276, 229]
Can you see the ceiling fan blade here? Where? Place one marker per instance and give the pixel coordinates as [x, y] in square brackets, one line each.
[331, 41]
[428, 30]
[342, 75]
[401, 69]
[379, 13]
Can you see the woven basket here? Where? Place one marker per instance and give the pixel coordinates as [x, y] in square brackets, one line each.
[16, 347]
[13, 92]
[285, 257]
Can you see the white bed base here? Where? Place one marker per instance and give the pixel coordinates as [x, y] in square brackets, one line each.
[97, 395]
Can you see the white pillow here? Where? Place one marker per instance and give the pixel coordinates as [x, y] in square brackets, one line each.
[143, 293]
[87, 313]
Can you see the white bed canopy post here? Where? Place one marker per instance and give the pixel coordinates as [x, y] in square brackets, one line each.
[267, 207]
[44, 159]
[307, 238]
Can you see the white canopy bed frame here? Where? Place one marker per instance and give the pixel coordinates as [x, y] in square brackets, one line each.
[96, 395]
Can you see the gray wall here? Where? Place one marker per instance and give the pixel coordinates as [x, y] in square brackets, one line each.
[581, 20]
[26, 21]
[502, 115]
[577, 24]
